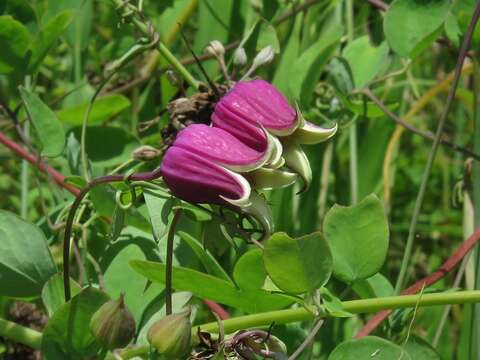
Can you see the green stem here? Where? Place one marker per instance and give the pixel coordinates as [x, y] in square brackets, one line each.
[265, 319]
[475, 333]
[164, 51]
[352, 306]
[21, 334]
[169, 262]
[433, 151]
[353, 161]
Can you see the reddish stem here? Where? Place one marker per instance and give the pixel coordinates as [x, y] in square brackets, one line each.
[40, 165]
[431, 279]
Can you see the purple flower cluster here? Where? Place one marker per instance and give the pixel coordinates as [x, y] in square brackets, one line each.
[253, 142]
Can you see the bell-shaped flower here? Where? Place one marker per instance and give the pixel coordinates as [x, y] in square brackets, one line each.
[194, 178]
[223, 148]
[258, 103]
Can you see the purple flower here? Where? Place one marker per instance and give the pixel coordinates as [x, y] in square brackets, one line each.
[253, 104]
[196, 167]
[223, 148]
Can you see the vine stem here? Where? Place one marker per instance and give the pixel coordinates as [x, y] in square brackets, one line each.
[147, 176]
[169, 261]
[431, 157]
[32, 338]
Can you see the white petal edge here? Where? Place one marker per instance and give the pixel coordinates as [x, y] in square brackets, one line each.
[244, 201]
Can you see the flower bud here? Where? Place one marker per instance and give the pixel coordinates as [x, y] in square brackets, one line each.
[240, 57]
[171, 335]
[113, 325]
[146, 153]
[265, 56]
[215, 48]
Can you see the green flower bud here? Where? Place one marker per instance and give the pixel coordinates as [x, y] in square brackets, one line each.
[239, 57]
[171, 336]
[113, 325]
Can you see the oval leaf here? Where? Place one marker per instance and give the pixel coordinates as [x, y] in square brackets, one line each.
[49, 129]
[358, 238]
[298, 265]
[15, 39]
[410, 24]
[25, 260]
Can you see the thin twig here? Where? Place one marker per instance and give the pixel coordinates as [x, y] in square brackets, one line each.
[379, 4]
[436, 142]
[42, 165]
[169, 261]
[307, 340]
[425, 134]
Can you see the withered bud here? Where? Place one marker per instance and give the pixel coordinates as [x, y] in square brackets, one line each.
[113, 325]
[146, 153]
[171, 336]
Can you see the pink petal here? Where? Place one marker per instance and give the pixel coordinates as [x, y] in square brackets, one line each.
[221, 147]
[196, 179]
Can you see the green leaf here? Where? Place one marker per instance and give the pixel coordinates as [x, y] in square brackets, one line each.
[15, 39]
[120, 278]
[22, 11]
[53, 293]
[209, 287]
[249, 271]
[418, 348]
[46, 38]
[358, 238]
[369, 347]
[103, 109]
[298, 265]
[268, 37]
[67, 334]
[288, 57]
[108, 145]
[341, 74]
[307, 69]
[332, 304]
[159, 205]
[373, 287]
[357, 107]
[78, 32]
[50, 131]
[208, 261]
[365, 60]
[408, 23]
[25, 260]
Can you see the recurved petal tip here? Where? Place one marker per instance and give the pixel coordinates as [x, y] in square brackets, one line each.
[309, 133]
[297, 161]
